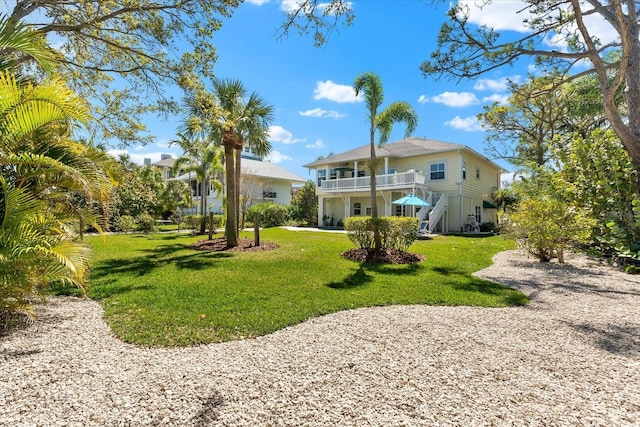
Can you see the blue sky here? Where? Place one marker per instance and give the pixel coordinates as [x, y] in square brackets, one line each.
[310, 88]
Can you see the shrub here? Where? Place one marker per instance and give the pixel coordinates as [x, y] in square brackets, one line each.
[487, 227]
[271, 214]
[395, 232]
[145, 223]
[125, 223]
[546, 227]
[191, 222]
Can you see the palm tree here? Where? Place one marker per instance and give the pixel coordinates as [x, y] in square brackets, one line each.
[203, 157]
[370, 86]
[246, 120]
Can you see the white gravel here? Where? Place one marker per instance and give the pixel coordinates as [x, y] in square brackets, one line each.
[570, 358]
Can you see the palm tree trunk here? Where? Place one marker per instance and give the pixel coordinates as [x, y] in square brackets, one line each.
[203, 205]
[377, 241]
[231, 227]
[238, 159]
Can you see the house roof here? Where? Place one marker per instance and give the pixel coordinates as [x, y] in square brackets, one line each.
[265, 169]
[408, 147]
[165, 163]
[260, 169]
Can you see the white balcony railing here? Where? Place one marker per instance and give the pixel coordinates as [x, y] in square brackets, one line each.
[390, 181]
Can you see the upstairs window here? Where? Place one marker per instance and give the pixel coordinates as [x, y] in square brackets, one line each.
[464, 170]
[478, 173]
[437, 171]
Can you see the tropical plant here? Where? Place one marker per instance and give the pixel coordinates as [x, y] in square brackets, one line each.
[35, 250]
[382, 122]
[202, 155]
[304, 204]
[245, 120]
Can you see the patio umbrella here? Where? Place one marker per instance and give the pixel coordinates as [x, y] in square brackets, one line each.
[410, 200]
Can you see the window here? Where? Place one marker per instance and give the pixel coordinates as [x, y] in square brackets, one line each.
[464, 170]
[367, 211]
[398, 210]
[360, 174]
[478, 214]
[437, 171]
[268, 194]
[357, 208]
[322, 175]
[478, 173]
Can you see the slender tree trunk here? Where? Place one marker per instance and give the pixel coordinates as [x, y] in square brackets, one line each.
[238, 171]
[377, 241]
[231, 227]
[203, 205]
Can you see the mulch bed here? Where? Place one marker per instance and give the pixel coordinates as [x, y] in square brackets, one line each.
[244, 245]
[382, 256]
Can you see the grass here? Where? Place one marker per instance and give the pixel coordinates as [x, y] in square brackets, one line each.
[157, 292]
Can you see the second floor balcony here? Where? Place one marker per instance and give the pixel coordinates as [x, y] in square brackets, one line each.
[399, 180]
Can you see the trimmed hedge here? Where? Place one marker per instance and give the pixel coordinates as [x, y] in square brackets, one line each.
[396, 232]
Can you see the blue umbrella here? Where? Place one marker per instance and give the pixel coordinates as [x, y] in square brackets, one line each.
[410, 200]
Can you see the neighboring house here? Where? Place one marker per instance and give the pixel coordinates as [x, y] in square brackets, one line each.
[455, 180]
[261, 181]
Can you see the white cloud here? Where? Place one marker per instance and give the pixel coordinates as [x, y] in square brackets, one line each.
[497, 85]
[277, 157]
[335, 92]
[280, 134]
[257, 2]
[499, 15]
[467, 124]
[319, 112]
[318, 144]
[497, 97]
[451, 99]
[291, 5]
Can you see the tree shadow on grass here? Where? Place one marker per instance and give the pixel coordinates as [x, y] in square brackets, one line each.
[361, 275]
[158, 257]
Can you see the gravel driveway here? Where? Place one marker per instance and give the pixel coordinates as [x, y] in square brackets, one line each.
[570, 358]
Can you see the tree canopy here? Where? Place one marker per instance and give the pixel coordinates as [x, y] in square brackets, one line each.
[119, 54]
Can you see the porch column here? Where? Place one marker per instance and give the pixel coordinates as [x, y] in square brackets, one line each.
[347, 206]
[320, 210]
[386, 165]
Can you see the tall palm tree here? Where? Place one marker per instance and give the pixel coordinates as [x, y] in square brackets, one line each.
[246, 121]
[203, 157]
[370, 86]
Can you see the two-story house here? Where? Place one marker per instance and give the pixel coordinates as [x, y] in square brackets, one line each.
[261, 181]
[456, 181]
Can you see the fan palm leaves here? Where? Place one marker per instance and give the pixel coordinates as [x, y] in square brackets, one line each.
[370, 86]
[34, 250]
[246, 119]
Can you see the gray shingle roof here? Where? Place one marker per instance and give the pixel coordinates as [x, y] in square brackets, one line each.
[407, 147]
[260, 169]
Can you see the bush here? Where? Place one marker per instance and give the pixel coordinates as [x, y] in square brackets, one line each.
[546, 227]
[145, 223]
[271, 214]
[487, 227]
[395, 232]
[125, 223]
[191, 222]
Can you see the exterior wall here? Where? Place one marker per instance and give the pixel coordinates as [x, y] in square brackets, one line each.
[464, 193]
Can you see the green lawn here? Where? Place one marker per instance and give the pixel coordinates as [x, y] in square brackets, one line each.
[157, 292]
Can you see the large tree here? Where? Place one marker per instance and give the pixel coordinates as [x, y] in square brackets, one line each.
[245, 120]
[467, 51]
[121, 54]
[381, 122]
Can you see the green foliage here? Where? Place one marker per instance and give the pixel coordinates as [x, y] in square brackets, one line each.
[546, 227]
[304, 204]
[487, 227]
[271, 214]
[34, 251]
[395, 232]
[145, 223]
[154, 289]
[125, 223]
[191, 222]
